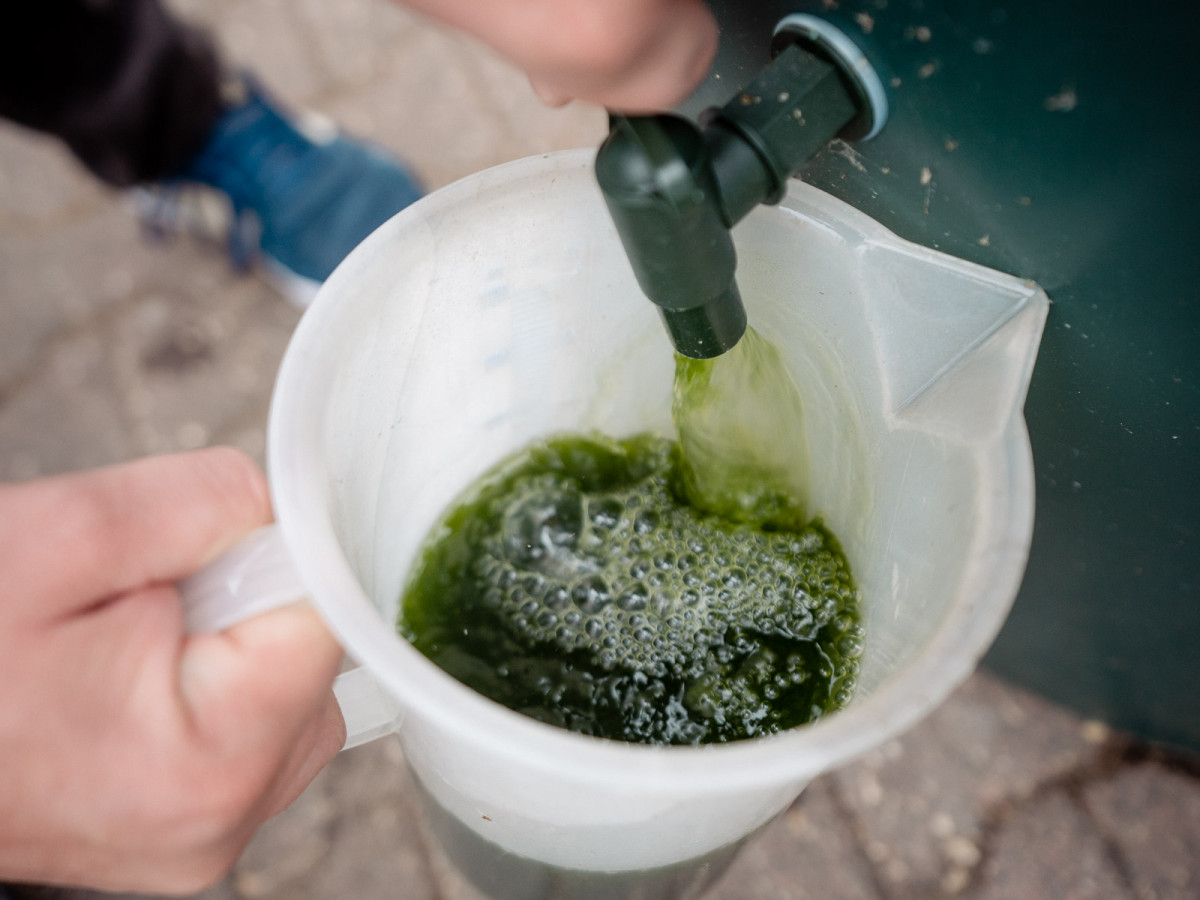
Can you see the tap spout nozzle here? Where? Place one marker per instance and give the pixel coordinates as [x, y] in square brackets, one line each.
[705, 331]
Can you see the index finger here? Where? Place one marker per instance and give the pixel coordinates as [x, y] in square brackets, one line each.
[629, 55]
[71, 541]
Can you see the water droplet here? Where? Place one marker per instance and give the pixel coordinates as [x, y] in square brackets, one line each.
[633, 597]
[646, 522]
[541, 522]
[557, 598]
[850, 646]
[592, 594]
[606, 514]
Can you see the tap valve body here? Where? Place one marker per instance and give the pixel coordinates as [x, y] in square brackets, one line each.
[675, 190]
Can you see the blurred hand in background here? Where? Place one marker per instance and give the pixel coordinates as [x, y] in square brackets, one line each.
[627, 55]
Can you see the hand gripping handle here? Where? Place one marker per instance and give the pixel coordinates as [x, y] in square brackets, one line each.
[255, 576]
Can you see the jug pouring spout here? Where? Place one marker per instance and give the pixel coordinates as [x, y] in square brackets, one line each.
[952, 332]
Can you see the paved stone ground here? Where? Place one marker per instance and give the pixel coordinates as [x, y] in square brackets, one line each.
[111, 348]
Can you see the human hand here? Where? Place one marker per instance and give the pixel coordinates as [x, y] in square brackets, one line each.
[627, 55]
[136, 757]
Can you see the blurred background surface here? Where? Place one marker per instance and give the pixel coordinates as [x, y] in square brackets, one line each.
[113, 346]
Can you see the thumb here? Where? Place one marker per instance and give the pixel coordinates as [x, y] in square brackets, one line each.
[264, 681]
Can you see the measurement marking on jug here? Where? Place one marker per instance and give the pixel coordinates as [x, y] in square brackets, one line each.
[495, 360]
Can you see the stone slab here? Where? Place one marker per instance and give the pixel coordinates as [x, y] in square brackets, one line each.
[1049, 848]
[921, 803]
[1151, 813]
[809, 853]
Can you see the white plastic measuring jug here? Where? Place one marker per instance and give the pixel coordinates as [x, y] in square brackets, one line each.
[501, 309]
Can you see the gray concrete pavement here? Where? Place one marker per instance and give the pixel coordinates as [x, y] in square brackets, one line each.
[111, 347]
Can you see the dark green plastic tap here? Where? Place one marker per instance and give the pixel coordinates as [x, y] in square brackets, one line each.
[675, 189]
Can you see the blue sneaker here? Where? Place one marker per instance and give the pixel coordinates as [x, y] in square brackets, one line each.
[301, 194]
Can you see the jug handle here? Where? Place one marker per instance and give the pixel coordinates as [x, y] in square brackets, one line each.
[255, 576]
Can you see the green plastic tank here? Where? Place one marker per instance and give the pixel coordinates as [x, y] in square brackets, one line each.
[1058, 142]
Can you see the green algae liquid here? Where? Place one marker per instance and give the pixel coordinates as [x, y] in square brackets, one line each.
[649, 590]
